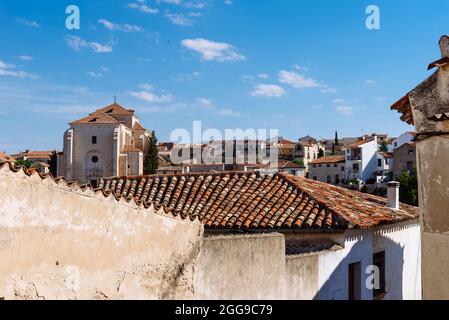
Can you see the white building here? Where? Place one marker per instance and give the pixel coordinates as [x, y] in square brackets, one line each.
[108, 142]
[361, 160]
[384, 166]
[406, 137]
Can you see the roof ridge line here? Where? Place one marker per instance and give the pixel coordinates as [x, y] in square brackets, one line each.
[83, 188]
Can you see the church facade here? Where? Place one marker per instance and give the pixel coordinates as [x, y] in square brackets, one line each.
[108, 142]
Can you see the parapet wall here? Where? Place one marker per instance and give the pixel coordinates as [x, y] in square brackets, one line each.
[254, 267]
[59, 241]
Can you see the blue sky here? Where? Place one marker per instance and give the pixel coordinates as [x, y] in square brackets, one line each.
[303, 67]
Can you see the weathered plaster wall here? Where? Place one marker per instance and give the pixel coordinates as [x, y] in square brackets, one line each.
[402, 246]
[61, 243]
[433, 175]
[241, 267]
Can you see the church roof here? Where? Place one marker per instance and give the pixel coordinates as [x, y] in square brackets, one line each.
[97, 117]
[115, 108]
[105, 115]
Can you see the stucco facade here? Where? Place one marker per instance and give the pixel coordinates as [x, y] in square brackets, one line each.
[361, 160]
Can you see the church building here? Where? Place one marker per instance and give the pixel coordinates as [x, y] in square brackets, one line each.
[108, 142]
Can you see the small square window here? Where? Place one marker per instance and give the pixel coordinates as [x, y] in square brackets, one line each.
[94, 139]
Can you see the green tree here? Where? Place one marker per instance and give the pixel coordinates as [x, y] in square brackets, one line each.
[24, 163]
[383, 146]
[408, 189]
[299, 162]
[336, 142]
[320, 153]
[151, 161]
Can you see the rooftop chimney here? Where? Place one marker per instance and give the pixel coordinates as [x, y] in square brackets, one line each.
[393, 195]
[444, 46]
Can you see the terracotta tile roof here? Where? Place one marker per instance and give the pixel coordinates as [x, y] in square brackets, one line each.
[130, 148]
[403, 106]
[329, 159]
[232, 200]
[285, 141]
[36, 155]
[288, 164]
[115, 108]
[96, 117]
[306, 143]
[359, 143]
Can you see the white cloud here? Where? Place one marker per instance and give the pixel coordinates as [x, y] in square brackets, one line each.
[105, 69]
[228, 2]
[228, 113]
[77, 43]
[204, 102]
[26, 58]
[327, 89]
[268, 90]
[146, 86]
[346, 110]
[119, 27]
[142, 7]
[28, 23]
[94, 74]
[100, 48]
[296, 80]
[263, 75]
[8, 70]
[179, 19]
[148, 96]
[211, 50]
[339, 100]
[186, 76]
[370, 82]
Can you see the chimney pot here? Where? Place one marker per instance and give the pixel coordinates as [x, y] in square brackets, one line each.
[393, 195]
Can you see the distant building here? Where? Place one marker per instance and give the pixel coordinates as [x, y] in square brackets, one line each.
[384, 166]
[404, 158]
[34, 156]
[329, 169]
[286, 149]
[108, 142]
[307, 151]
[399, 141]
[361, 160]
